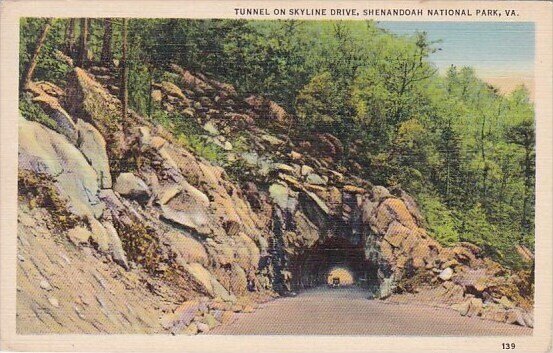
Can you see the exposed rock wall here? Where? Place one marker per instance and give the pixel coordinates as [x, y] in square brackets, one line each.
[205, 244]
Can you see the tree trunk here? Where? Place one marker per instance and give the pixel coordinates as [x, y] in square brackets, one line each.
[485, 167]
[106, 46]
[150, 88]
[28, 73]
[69, 40]
[124, 94]
[89, 29]
[82, 57]
[528, 174]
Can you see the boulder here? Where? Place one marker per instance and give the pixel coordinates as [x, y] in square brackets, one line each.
[42, 150]
[79, 235]
[191, 329]
[188, 217]
[387, 287]
[49, 88]
[315, 179]
[397, 209]
[280, 194]
[172, 90]
[463, 308]
[451, 263]
[156, 95]
[187, 249]
[64, 123]
[306, 170]
[167, 193]
[115, 246]
[210, 321]
[281, 167]
[380, 193]
[195, 194]
[157, 142]
[239, 281]
[295, 156]
[169, 162]
[129, 185]
[201, 276]
[396, 233]
[204, 328]
[515, 316]
[191, 81]
[352, 189]
[273, 141]
[181, 317]
[475, 308]
[528, 319]
[446, 274]
[89, 100]
[320, 203]
[99, 234]
[506, 303]
[494, 314]
[220, 292]
[227, 317]
[93, 146]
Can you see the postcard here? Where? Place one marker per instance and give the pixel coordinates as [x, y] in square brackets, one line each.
[276, 176]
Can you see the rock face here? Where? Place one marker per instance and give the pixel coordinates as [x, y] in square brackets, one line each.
[92, 145]
[129, 185]
[208, 241]
[42, 150]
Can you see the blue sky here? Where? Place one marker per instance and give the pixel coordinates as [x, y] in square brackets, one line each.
[492, 48]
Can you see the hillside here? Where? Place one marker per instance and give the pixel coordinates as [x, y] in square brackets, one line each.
[174, 222]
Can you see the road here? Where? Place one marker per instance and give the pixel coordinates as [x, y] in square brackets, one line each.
[346, 311]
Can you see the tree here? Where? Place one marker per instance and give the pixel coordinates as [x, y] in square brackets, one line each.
[124, 72]
[69, 38]
[316, 104]
[29, 70]
[106, 55]
[83, 48]
[523, 135]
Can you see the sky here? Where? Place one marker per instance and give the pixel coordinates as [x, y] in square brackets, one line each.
[500, 52]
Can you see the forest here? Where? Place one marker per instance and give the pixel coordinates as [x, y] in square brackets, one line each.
[463, 149]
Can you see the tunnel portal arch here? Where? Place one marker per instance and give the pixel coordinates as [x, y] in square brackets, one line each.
[312, 266]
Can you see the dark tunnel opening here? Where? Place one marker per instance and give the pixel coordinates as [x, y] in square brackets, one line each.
[312, 267]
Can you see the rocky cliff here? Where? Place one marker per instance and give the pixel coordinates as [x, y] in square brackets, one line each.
[124, 229]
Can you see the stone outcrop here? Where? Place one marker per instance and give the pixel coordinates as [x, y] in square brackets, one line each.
[206, 240]
[93, 146]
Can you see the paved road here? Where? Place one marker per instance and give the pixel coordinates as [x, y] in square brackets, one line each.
[346, 311]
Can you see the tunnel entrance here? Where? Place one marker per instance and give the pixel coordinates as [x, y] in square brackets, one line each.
[340, 276]
[333, 257]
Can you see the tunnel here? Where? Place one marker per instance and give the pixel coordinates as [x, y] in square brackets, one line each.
[314, 265]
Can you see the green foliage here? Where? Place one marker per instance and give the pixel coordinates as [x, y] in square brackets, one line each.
[33, 112]
[49, 67]
[497, 242]
[189, 134]
[466, 151]
[442, 223]
[317, 106]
